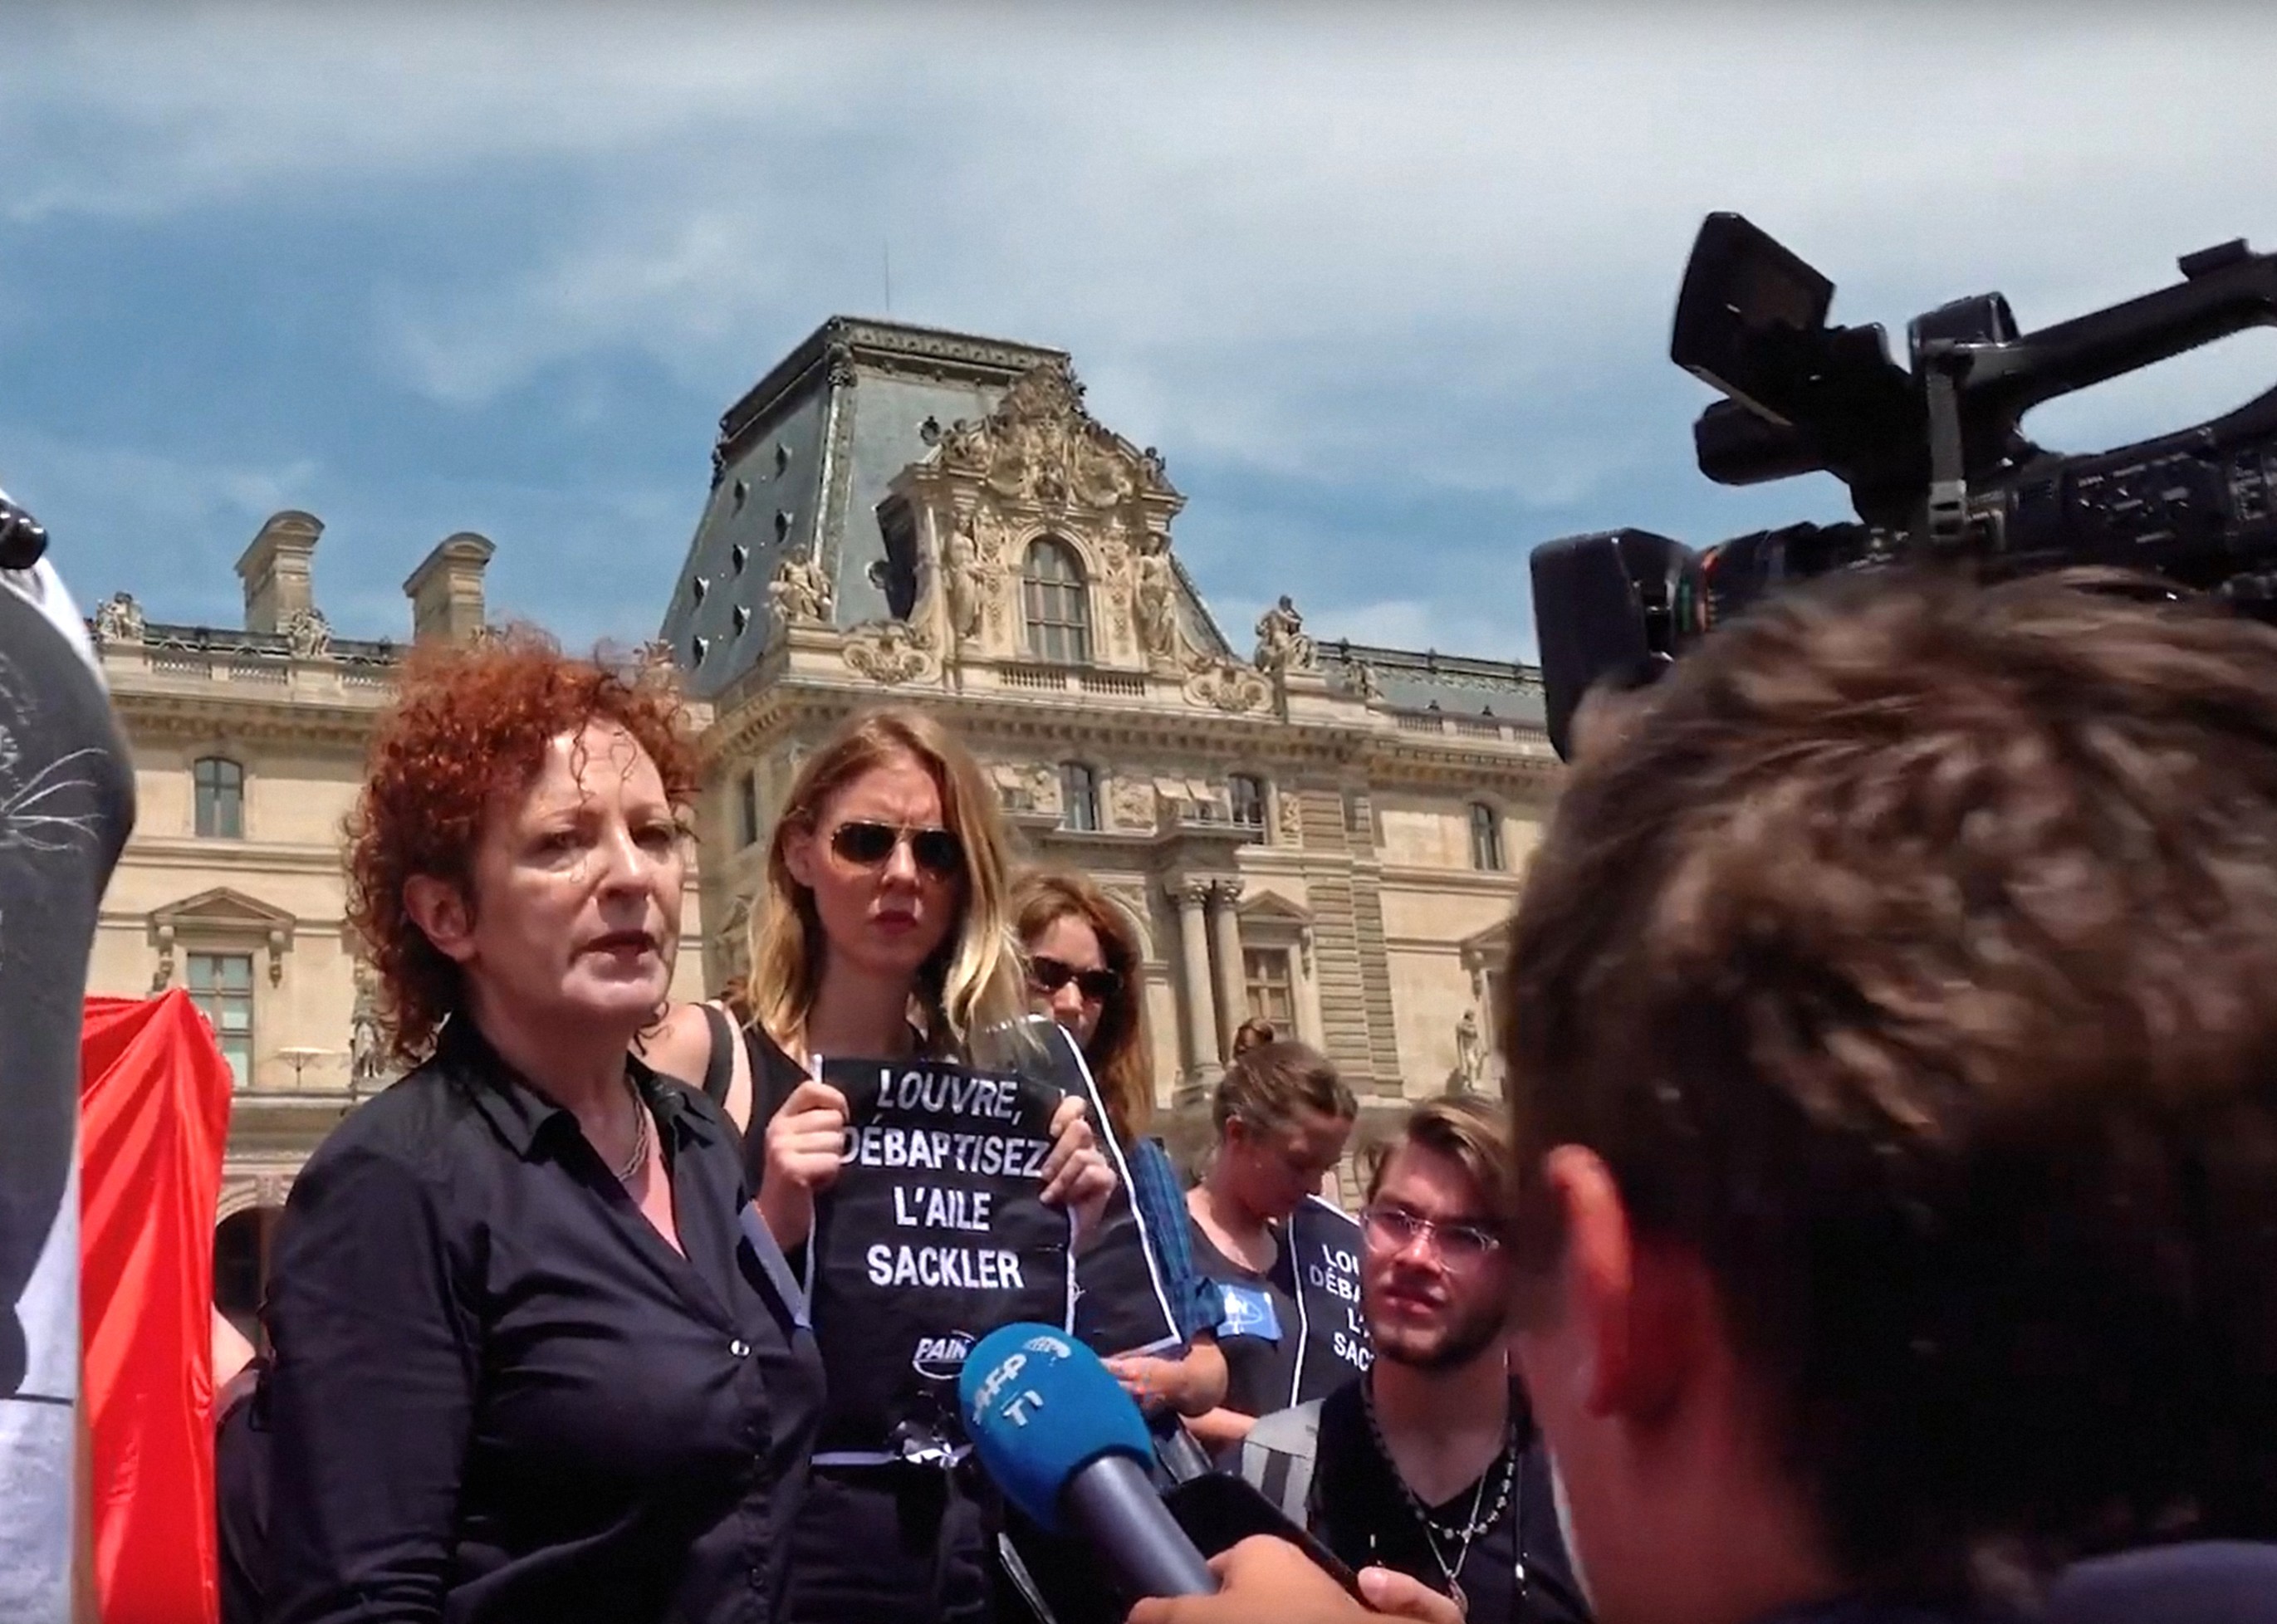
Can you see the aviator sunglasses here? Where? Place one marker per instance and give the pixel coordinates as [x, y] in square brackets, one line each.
[867, 845]
[1049, 975]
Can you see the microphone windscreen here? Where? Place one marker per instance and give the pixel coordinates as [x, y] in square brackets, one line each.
[1039, 1406]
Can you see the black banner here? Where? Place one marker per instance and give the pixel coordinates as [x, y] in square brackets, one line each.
[1122, 1302]
[1332, 1339]
[933, 1235]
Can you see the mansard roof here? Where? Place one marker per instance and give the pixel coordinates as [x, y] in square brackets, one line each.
[802, 462]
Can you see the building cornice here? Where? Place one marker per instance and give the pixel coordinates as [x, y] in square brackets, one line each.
[148, 715]
[1450, 746]
[192, 854]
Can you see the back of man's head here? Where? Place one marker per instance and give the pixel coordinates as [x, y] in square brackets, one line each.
[1911, 960]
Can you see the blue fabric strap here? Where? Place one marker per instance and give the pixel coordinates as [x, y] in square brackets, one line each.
[775, 1265]
[1163, 1207]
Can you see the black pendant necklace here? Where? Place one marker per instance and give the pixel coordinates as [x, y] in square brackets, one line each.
[1461, 1535]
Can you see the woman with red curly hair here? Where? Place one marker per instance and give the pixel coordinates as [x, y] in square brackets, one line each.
[527, 1365]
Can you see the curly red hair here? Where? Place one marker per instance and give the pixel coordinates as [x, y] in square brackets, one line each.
[469, 724]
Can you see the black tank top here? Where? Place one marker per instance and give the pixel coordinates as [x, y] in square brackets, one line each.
[773, 1075]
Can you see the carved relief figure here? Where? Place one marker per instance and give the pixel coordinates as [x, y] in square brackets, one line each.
[1156, 591]
[1292, 822]
[1132, 803]
[1226, 685]
[800, 593]
[1282, 644]
[119, 620]
[308, 634]
[890, 652]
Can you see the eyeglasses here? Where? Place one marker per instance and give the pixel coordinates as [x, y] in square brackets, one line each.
[1396, 1229]
[868, 846]
[1048, 975]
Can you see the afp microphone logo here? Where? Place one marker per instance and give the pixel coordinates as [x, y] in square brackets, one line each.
[991, 1397]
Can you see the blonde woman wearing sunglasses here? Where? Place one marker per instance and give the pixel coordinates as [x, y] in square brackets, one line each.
[885, 931]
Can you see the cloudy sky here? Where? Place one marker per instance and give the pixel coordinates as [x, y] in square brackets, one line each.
[1389, 285]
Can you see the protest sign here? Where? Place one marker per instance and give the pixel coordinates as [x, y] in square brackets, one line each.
[934, 1234]
[1332, 1339]
[1122, 1305]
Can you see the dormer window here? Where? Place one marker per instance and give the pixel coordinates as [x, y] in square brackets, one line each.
[1055, 603]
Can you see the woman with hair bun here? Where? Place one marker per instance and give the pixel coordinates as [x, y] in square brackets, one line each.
[1283, 1116]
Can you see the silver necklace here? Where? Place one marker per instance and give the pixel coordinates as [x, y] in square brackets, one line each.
[1469, 1531]
[634, 1163]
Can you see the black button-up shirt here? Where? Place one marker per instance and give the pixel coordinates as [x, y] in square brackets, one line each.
[500, 1395]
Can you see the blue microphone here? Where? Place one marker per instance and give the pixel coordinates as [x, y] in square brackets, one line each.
[1063, 1441]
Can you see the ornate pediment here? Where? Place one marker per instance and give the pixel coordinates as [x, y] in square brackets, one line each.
[225, 915]
[1487, 949]
[224, 908]
[1040, 445]
[1271, 907]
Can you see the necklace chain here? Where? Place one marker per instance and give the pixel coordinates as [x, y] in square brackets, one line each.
[1462, 1534]
[634, 1163]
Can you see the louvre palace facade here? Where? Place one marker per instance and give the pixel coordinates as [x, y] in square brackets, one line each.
[1326, 834]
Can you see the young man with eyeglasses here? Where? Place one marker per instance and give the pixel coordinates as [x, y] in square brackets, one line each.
[1429, 1464]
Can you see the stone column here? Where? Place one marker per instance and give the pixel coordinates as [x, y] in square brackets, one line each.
[1193, 941]
[1232, 998]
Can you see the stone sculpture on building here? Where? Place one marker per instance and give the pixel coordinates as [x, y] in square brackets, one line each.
[367, 1048]
[1155, 590]
[308, 634]
[1282, 643]
[965, 582]
[1470, 1052]
[119, 620]
[800, 593]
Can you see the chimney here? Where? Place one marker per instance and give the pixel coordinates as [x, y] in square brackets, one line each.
[446, 590]
[276, 569]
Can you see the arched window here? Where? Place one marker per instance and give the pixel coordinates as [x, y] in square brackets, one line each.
[1486, 838]
[1078, 797]
[220, 798]
[1245, 799]
[1057, 608]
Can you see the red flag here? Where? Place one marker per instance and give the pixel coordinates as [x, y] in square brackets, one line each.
[154, 1118]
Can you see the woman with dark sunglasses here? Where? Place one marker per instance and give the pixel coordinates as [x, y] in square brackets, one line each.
[1086, 972]
[884, 931]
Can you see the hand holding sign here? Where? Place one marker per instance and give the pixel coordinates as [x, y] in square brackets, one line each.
[805, 1143]
[1075, 1175]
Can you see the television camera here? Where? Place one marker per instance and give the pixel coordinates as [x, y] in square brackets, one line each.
[1934, 454]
